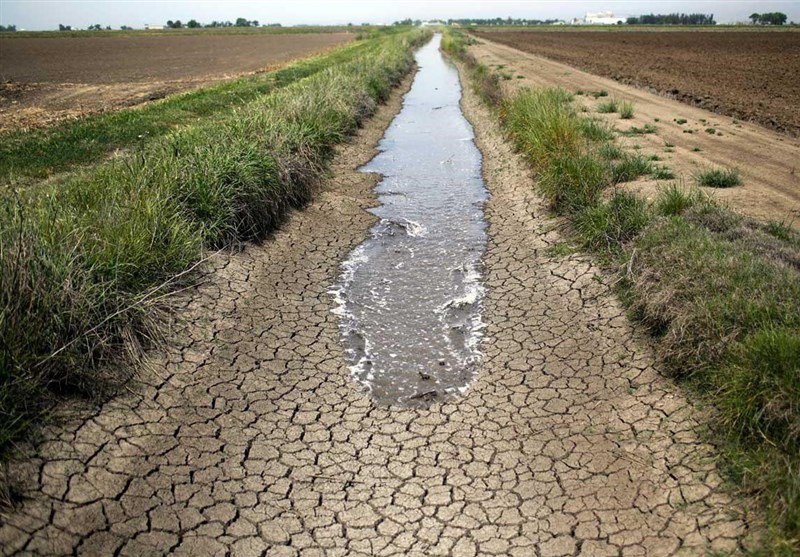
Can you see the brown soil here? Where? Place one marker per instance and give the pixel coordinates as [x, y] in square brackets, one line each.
[769, 162]
[248, 435]
[753, 76]
[50, 79]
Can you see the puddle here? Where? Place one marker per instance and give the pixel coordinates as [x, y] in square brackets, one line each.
[409, 297]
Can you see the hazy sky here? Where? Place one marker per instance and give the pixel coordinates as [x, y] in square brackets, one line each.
[47, 14]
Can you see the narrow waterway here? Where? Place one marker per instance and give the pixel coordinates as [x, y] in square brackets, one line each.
[409, 297]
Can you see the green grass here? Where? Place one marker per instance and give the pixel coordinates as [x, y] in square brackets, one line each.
[662, 173]
[719, 178]
[30, 155]
[719, 292]
[646, 129]
[626, 110]
[630, 167]
[598, 94]
[86, 258]
[711, 131]
[608, 107]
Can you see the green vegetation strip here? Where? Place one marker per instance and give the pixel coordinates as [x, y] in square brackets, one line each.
[29, 155]
[85, 260]
[719, 292]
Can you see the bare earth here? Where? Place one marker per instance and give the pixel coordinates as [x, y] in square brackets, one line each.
[49, 79]
[769, 162]
[249, 435]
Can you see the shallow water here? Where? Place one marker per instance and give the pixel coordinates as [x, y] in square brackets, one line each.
[409, 297]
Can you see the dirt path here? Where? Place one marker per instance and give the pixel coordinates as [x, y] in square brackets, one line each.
[250, 436]
[769, 162]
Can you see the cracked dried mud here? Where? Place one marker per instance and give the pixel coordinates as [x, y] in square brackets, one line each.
[247, 435]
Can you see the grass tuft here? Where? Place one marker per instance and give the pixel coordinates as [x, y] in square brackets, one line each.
[626, 110]
[719, 178]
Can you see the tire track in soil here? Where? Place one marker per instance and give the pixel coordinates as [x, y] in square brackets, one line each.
[248, 436]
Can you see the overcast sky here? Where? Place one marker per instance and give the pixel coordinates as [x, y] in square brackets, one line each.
[47, 14]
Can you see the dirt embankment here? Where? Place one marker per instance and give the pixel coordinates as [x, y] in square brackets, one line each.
[750, 75]
[767, 160]
[49, 79]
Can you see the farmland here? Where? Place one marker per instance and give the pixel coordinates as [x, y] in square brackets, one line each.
[751, 75]
[47, 79]
[379, 301]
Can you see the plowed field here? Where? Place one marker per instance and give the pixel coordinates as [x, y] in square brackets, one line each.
[48, 79]
[751, 75]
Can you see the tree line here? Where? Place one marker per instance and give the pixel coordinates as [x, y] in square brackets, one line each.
[240, 22]
[672, 19]
[769, 18]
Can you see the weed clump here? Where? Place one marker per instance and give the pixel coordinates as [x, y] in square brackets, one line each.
[719, 178]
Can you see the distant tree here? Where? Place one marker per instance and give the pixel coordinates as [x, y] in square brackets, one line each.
[8, 28]
[193, 24]
[241, 22]
[126, 28]
[175, 24]
[62, 27]
[95, 27]
[672, 19]
[754, 17]
[108, 28]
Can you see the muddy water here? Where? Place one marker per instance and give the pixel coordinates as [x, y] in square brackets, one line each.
[410, 296]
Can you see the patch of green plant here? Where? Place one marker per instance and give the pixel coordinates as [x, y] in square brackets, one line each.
[596, 130]
[598, 94]
[646, 129]
[608, 226]
[662, 173]
[560, 249]
[696, 150]
[719, 178]
[711, 131]
[610, 152]
[680, 121]
[630, 167]
[626, 110]
[674, 200]
[654, 158]
[607, 107]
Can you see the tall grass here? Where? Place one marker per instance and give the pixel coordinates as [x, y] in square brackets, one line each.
[720, 293]
[84, 260]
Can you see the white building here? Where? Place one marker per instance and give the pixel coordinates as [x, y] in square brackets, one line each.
[598, 18]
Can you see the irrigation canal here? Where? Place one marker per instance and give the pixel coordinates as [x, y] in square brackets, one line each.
[409, 297]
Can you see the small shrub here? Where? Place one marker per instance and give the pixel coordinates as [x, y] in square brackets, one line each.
[696, 150]
[598, 94]
[719, 178]
[711, 131]
[680, 121]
